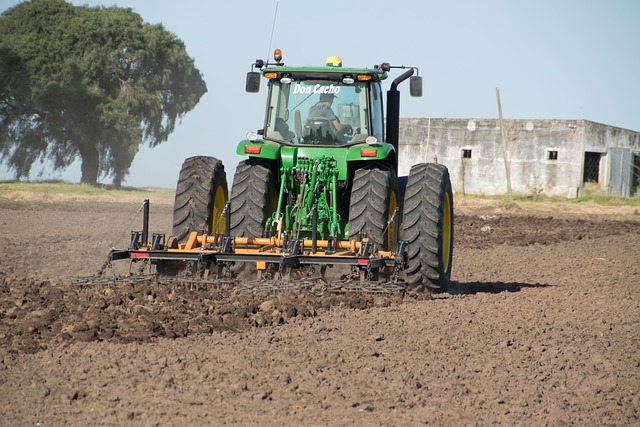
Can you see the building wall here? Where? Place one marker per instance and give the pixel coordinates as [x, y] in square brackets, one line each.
[544, 156]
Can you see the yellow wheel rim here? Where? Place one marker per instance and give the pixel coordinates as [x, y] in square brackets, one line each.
[218, 219]
[393, 204]
[447, 233]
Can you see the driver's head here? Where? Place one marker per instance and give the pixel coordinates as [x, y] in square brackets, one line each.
[327, 97]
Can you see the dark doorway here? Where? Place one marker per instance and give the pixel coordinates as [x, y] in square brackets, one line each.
[591, 167]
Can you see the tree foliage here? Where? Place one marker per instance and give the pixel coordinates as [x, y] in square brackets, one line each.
[93, 83]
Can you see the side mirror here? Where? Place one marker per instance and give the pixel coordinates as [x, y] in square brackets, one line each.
[253, 82]
[415, 86]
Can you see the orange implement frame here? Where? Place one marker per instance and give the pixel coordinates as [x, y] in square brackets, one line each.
[245, 243]
[223, 248]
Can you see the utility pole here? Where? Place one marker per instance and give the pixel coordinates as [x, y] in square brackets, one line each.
[507, 166]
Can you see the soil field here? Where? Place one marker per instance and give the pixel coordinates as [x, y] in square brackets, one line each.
[542, 327]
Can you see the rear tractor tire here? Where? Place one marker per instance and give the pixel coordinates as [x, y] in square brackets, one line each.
[201, 195]
[428, 227]
[374, 198]
[254, 196]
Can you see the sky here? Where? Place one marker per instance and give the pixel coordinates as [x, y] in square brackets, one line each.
[551, 59]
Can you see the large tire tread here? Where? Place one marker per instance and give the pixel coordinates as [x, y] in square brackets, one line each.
[428, 226]
[251, 196]
[371, 192]
[193, 209]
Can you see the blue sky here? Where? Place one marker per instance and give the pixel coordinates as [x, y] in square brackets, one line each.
[551, 59]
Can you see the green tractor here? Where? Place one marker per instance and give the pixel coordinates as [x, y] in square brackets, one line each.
[318, 188]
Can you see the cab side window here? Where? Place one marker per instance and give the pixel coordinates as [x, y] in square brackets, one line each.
[376, 112]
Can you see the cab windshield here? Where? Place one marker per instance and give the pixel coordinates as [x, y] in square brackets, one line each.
[318, 112]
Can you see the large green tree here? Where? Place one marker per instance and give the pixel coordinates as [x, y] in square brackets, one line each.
[89, 82]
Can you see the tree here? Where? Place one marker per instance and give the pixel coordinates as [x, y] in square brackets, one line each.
[89, 82]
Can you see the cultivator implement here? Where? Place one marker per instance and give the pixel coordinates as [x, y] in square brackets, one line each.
[281, 262]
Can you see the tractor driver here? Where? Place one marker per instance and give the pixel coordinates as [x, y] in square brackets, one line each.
[322, 110]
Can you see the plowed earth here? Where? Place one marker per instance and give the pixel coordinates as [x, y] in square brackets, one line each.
[542, 327]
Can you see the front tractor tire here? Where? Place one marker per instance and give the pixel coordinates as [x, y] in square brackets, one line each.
[374, 198]
[428, 227]
[254, 196]
[201, 195]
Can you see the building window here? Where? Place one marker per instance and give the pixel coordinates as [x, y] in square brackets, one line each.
[552, 155]
[591, 167]
[466, 153]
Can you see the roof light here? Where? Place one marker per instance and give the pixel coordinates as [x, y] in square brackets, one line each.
[271, 75]
[277, 55]
[334, 61]
[348, 80]
[364, 77]
[367, 152]
[252, 149]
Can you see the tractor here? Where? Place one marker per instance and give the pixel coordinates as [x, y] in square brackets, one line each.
[318, 189]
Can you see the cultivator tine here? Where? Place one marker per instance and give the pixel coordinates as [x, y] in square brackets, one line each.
[145, 221]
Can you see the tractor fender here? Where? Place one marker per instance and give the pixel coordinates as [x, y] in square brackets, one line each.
[260, 148]
[371, 152]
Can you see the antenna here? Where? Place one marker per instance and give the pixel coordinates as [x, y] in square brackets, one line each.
[273, 26]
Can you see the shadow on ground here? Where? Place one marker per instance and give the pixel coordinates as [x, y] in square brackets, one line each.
[470, 288]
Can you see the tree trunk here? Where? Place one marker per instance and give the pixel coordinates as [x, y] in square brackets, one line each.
[89, 166]
[117, 179]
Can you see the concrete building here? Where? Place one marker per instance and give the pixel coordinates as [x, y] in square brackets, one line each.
[551, 157]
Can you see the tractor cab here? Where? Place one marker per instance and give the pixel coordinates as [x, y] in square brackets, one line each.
[329, 105]
[323, 112]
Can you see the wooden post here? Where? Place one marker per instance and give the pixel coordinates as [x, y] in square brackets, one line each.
[507, 166]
